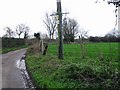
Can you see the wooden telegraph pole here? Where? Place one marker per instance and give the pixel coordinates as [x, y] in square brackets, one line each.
[60, 39]
[59, 13]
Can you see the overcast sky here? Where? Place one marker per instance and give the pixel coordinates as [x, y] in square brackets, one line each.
[97, 18]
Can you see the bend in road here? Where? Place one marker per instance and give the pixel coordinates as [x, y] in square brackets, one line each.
[11, 74]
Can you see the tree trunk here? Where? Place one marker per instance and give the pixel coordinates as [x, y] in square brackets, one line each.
[19, 36]
[52, 37]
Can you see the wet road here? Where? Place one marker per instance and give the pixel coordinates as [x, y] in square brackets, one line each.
[11, 74]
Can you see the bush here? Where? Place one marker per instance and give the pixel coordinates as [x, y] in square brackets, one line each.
[86, 77]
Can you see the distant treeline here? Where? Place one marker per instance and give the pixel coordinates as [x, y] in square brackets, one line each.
[15, 42]
[104, 39]
[12, 42]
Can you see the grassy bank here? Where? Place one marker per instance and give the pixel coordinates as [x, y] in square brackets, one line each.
[74, 71]
[5, 50]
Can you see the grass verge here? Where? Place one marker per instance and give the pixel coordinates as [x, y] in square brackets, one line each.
[5, 50]
[72, 72]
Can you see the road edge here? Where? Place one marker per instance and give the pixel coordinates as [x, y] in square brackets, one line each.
[26, 75]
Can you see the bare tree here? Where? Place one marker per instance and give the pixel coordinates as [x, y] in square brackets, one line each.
[26, 32]
[113, 33]
[83, 33]
[51, 24]
[44, 36]
[82, 36]
[20, 29]
[9, 32]
[70, 29]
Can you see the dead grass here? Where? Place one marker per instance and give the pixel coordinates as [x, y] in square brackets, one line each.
[34, 49]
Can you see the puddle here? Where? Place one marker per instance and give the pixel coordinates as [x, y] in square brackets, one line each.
[18, 64]
[27, 82]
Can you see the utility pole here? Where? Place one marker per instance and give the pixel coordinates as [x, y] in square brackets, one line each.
[60, 36]
[60, 47]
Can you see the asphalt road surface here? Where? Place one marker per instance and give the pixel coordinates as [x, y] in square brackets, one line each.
[11, 74]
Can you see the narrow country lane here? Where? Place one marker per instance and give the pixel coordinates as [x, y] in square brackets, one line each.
[11, 74]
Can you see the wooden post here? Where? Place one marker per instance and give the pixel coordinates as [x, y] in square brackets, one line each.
[42, 46]
[119, 31]
[45, 48]
[60, 47]
[60, 39]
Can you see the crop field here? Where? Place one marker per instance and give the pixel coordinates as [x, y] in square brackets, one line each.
[98, 68]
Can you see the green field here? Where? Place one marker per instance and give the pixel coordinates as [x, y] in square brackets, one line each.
[99, 68]
[73, 51]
